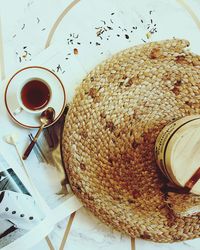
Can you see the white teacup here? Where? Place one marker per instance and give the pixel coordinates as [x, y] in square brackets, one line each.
[33, 96]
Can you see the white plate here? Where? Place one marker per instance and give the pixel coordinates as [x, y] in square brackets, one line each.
[58, 100]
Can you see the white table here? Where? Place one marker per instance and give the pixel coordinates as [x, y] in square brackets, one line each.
[35, 25]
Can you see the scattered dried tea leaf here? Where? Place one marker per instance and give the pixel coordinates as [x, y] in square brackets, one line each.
[178, 82]
[145, 236]
[84, 134]
[82, 166]
[110, 125]
[176, 90]
[135, 144]
[155, 53]
[189, 103]
[181, 60]
[75, 51]
[92, 92]
[103, 115]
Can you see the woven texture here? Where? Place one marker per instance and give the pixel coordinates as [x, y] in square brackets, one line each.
[110, 133]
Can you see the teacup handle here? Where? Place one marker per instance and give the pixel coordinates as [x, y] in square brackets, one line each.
[18, 110]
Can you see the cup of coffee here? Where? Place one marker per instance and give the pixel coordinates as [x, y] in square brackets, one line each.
[33, 96]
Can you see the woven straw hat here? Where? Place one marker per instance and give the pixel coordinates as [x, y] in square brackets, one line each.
[109, 137]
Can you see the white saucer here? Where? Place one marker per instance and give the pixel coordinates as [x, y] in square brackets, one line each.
[57, 101]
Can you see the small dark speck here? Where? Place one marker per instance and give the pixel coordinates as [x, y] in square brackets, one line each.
[155, 25]
[134, 27]
[16, 53]
[90, 42]
[150, 12]
[101, 53]
[104, 22]
[125, 29]
[119, 27]
[66, 58]
[118, 35]
[38, 19]
[14, 35]
[110, 28]
[63, 72]
[111, 20]
[131, 31]
[112, 13]
[43, 29]
[142, 21]
[151, 20]
[24, 47]
[126, 36]
[78, 43]
[20, 59]
[23, 26]
[97, 44]
[58, 67]
[143, 40]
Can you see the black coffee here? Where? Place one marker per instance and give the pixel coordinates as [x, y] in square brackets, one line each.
[35, 95]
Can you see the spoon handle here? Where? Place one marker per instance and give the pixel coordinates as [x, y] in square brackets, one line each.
[31, 145]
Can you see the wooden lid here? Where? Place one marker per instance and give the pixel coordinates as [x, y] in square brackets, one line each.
[183, 155]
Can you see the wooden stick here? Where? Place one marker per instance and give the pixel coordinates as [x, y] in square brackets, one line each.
[51, 247]
[133, 244]
[190, 11]
[57, 22]
[69, 224]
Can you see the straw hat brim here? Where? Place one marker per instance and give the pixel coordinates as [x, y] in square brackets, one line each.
[110, 132]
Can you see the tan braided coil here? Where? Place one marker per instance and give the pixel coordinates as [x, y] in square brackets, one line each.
[110, 133]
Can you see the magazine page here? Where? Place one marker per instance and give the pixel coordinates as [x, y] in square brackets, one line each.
[42, 175]
[24, 216]
[19, 211]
